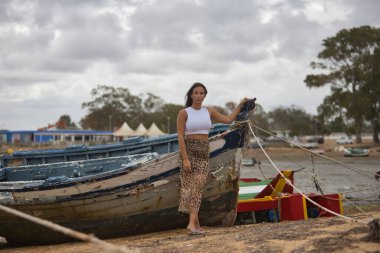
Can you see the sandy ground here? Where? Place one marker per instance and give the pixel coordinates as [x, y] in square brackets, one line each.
[312, 235]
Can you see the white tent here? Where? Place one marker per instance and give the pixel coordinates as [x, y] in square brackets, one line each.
[141, 130]
[154, 130]
[124, 130]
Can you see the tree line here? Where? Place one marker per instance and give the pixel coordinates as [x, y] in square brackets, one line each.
[349, 63]
[111, 106]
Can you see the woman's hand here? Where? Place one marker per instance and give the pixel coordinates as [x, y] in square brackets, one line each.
[242, 102]
[186, 165]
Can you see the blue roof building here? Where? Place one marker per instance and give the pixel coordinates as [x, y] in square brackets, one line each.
[64, 135]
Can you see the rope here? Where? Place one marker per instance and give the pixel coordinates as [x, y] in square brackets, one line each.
[294, 187]
[274, 189]
[314, 176]
[343, 195]
[299, 170]
[316, 181]
[258, 165]
[321, 181]
[363, 172]
[107, 247]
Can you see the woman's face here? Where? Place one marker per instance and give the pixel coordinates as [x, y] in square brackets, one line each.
[198, 95]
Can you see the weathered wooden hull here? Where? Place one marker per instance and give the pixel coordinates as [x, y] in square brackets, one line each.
[142, 200]
[218, 209]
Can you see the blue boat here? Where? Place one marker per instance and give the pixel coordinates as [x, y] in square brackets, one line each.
[135, 145]
[123, 200]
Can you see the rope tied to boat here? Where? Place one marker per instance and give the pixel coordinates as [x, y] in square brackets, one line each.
[354, 168]
[298, 190]
[106, 246]
[373, 224]
[344, 195]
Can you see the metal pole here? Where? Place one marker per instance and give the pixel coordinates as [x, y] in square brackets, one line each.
[168, 124]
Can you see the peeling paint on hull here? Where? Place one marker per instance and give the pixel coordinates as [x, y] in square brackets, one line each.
[25, 233]
[148, 206]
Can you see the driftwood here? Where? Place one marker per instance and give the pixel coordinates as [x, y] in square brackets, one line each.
[374, 231]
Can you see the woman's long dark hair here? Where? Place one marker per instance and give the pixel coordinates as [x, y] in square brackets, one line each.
[188, 99]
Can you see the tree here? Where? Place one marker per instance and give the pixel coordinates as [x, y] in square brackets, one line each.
[152, 103]
[104, 118]
[294, 119]
[170, 112]
[230, 106]
[331, 117]
[110, 107]
[347, 65]
[260, 118]
[65, 122]
[220, 110]
[373, 91]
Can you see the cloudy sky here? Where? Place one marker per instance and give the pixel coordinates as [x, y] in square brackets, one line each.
[52, 53]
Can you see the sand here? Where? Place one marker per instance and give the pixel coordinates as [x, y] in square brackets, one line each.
[312, 235]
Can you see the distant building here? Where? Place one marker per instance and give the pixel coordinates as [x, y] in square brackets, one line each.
[27, 137]
[16, 137]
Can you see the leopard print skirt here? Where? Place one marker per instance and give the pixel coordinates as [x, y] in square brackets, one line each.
[192, 182]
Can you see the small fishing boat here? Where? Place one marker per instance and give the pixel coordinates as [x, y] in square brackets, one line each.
[356, 152]
[136, 195]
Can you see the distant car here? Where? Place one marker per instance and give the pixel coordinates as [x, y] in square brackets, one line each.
[344, 140]
[317, 139]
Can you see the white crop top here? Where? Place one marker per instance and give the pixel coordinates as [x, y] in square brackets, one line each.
[198, 121]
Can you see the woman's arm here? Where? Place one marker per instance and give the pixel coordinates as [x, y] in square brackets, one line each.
[226, 119]
[181, 123]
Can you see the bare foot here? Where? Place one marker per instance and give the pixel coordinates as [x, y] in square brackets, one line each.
[192, 228]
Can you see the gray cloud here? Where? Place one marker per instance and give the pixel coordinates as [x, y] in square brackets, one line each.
[51, 49]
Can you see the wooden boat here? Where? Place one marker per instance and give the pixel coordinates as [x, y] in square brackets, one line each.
[123, 201]
[356, 152]
[135, 145]
[274, 200]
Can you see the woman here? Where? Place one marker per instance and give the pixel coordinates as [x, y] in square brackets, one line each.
[193, 125]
